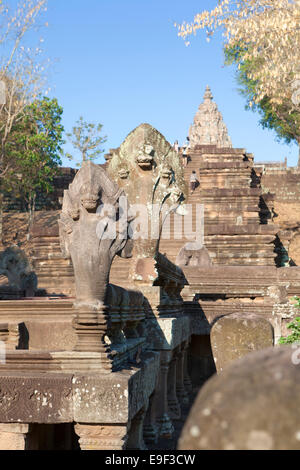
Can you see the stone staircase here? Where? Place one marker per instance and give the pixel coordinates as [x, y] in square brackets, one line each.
[238, 229]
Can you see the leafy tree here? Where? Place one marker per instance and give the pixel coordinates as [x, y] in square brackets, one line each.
[34, 146]
[86, 139]
[269, 33]
[278, 117]
[22, 69]
[294, 337]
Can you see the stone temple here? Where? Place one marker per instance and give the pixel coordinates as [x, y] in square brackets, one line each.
[208, 127]
[107, 339]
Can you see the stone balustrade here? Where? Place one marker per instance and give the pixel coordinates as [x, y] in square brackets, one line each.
[101, 361]
[118, 359]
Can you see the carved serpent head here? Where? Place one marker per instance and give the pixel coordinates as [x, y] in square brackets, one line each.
[145, 158]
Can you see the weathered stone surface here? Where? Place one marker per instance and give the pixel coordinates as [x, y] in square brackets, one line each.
[202, 365]
[238, 225]
[191, 256]
[101, 400]
[15, 265]
[167, 333]
[253, 405]
[83, 235]
[56, 361]
[84, 397]
[112, 376]
[92, 238]
[13, 436]
[43, 323]
[99, 437]
[35, 398]
[236, 335]
[50, 335]
[10, 335]
[285, 183]
[263, 290]
[149, 170]
[209, 127]
[117, 397]
[238, 230]
[164, 424]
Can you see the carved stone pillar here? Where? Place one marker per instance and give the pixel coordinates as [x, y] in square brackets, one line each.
[180, 390]
[164, 423]
[135, 434]
[186, 379]
[86, 237]
[173, 404]
[14, 436]
[113, 299]
[101, 437]
[150, 428]
[136, 314]
[91, 327]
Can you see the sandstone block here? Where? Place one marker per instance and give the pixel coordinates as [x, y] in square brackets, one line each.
[252, 405]
[236, 335]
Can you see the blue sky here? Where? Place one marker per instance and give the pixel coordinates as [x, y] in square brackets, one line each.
[120, 63]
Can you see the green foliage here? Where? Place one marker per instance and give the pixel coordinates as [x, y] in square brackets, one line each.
[280, 118]
[34, 148]
[295, 327]
[86, 139]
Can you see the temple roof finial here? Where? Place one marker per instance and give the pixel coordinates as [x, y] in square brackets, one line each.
[208, 94]
[208, 127]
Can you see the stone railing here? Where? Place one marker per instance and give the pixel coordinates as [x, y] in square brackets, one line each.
[122, 315]
[113, 362]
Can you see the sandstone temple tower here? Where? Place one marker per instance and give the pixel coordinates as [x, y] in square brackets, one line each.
[209, 127]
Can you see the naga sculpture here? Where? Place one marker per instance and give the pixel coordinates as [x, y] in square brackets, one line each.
[91, 208]
[15, 266]
[194, 254]
[150, 172]
[84, 231]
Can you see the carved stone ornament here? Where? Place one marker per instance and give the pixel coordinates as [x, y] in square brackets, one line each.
[90, 214]
[15, 266]
[208, 127]
[150, 171]
[84, 231]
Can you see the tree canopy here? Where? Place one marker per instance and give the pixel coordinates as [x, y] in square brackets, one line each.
[278, 117]
[87, 140]
[269, 32]
[34, 148]
[22, 69]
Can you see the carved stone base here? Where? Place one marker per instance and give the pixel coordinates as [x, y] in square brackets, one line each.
[90, 325]
[13, 436]
[136, 439]
[150, 433]
[174, 409]
[165, 427]
[188, 383]
[61, 361]
[181, 393]
[101, 437]
[150, 430]
[186, 378]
